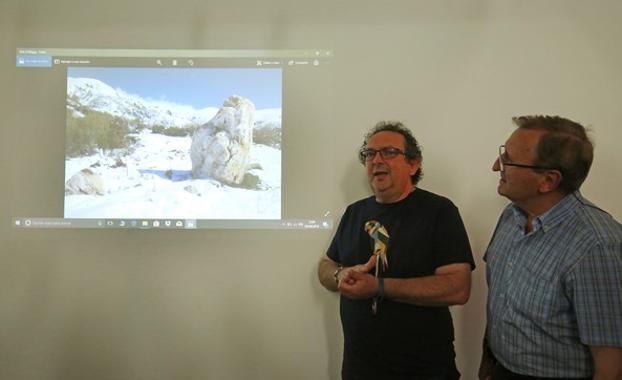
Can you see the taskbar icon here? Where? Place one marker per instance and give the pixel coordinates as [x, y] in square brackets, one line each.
[144, 223]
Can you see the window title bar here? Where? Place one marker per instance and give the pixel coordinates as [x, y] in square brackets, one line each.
[184, 53]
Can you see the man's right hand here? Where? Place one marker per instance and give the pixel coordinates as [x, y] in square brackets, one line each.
[487, 362]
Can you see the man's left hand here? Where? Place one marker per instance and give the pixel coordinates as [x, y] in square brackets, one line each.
[358, 285]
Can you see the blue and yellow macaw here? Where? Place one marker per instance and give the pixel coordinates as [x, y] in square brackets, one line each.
[381, 242]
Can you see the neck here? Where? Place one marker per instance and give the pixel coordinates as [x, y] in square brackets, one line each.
[539, 205]
[388, 198]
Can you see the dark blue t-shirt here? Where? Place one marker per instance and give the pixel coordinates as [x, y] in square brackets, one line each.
[425, 232]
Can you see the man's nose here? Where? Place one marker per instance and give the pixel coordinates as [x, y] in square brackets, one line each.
[496, 167]
[377, 158]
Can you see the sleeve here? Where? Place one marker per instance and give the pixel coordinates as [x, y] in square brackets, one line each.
[502, 217]
[596, 291]
[333, 251]
[451, 241]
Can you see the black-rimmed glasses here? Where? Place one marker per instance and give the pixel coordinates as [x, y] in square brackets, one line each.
[504, 162]
[368, 154]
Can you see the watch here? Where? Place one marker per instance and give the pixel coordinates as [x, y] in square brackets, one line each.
[336, 273]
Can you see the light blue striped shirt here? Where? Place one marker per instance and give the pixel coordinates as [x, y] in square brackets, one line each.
[556, 290]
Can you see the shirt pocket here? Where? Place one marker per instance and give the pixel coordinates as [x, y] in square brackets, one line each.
[532, 294]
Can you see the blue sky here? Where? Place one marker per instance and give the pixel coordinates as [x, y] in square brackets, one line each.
[198, 87]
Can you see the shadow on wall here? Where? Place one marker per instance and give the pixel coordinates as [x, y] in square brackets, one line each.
[329, 303]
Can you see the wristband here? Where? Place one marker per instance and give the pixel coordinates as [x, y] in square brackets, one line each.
[380, 293]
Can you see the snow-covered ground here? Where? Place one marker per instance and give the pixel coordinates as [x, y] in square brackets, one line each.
[155, 182]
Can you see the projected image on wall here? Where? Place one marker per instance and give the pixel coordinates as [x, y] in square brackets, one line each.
[199, 143]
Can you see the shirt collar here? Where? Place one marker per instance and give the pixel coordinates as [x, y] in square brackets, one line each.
[555, 215]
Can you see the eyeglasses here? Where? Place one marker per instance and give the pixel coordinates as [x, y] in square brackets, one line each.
[503, 162]
[387, 153]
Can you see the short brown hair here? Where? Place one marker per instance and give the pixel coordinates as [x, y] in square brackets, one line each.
[564, 146]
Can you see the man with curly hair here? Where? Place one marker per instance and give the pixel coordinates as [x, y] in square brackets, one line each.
[399, 259]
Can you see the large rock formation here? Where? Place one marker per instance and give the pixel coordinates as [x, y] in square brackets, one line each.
[85, 182]
[221, 148]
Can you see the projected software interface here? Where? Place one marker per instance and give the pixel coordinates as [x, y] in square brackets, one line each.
[174, 138]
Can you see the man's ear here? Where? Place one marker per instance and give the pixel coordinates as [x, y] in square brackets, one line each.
[415, 164]
[552, 180]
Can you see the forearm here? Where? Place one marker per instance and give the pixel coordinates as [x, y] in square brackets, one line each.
[607, 362]
[423, 291]
[326, 270]
[441, 289]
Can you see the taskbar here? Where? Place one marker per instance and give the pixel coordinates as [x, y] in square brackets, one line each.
[174, 224]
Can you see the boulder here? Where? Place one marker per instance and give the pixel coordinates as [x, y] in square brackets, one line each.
[220, 148]
[85, 182]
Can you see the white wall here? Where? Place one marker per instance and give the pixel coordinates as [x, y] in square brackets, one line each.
[240, 305]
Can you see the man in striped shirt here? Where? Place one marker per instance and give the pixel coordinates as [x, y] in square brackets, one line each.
[554, 264]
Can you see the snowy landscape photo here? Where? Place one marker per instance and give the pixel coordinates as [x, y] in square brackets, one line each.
[173, 143]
